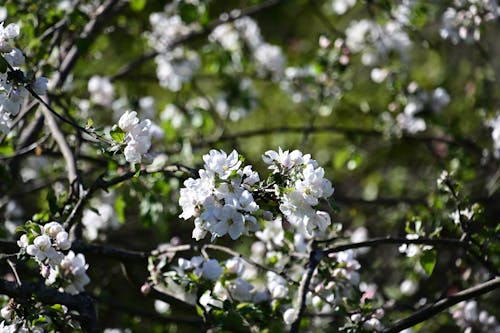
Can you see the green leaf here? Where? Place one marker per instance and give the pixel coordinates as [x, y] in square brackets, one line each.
[20, 229]
[200, 311]
[428, 261]
[333, 205]
[137, 167]
[117, 134]
[57, 308]
[52, 200]
[120, 209]
[6, 150]
[188, 12]
[137, 5]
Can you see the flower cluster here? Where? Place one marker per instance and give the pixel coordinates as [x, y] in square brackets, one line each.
[463, 21]
[12, 89]
[208, 269]
[101, 90]
[16, 321]
[222, 202]
[138, 136]
[102, 217]
[418, 101]
[302, 185]
[71, 272]
[167, 29]
[175, 64]
[245, 31]
[375, 42]
[294, 83]
[371, 323]
[176, 67]
[414, 103]
[44, 244]
[468, 317]
[221, 199]
[15, 324]
[310, 83]
[228, 281]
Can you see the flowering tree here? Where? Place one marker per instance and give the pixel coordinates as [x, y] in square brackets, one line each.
[194, 165]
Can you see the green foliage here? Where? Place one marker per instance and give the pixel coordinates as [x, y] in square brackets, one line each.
[428, 261]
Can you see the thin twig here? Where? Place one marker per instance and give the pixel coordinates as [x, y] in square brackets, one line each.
[14, 270]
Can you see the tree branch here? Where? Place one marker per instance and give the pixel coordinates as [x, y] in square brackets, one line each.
[82, 303]
[423, 241]
[314, 259]
[390, 240]
[100, 16]
[9, 247]
[338, 129]
[437, 307]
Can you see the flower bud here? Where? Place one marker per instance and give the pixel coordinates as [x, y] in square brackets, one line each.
[145, 288]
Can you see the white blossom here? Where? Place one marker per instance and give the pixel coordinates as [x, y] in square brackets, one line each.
[408, 287]
[176, 67]
[128, 121]
[41, 248]
[102, 217]
[463, 21]
[167, 29]
[101, 90]
[40, 85]
[495, 135]
[138, 136]
[62, 241]
[11, 31]
[221, 164]
[7, 313]
[15, 57]
[173, 114]
[270, 58]
[240, 290]
[277, 286]
[249, 30]
[378, 75]
[73, 270]
[289, 316]
[227, 36]
[235, 266]
[211, 270]
[207, 301]
[340, 7]
[372, 324]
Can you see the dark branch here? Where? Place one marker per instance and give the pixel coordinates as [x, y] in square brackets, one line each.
[423, 241]
[437, 307]
[82, 303]
[391, 240]
[8, 247]
[314, 259]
